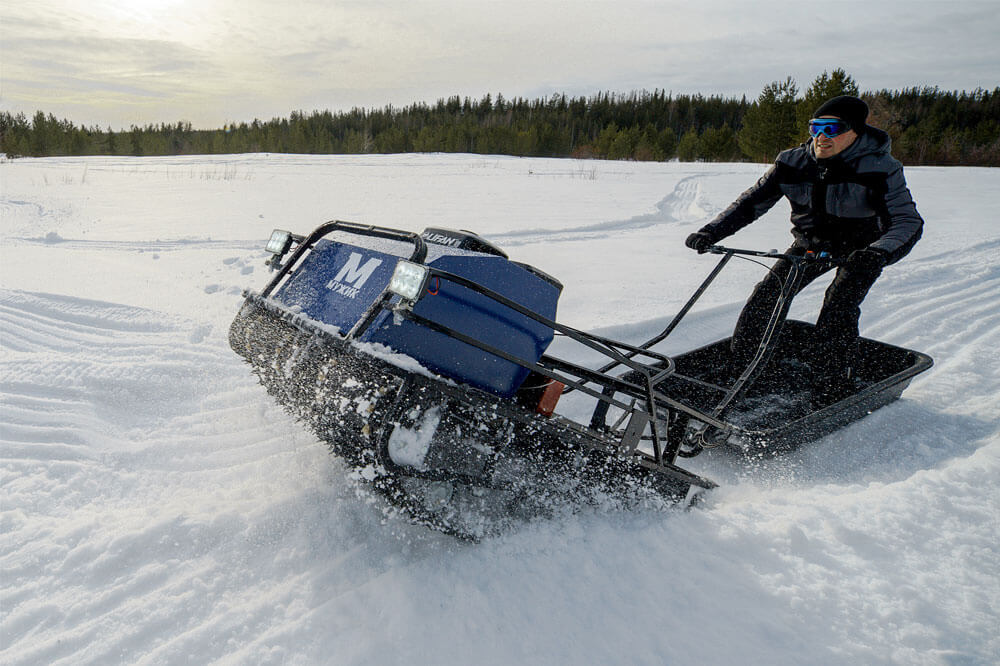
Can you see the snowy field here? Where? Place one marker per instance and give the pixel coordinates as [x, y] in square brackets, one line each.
[157, 507]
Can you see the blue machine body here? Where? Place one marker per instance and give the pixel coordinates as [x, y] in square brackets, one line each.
[341, 278]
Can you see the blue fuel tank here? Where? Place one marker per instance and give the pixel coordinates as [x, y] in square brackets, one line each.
[345, 273]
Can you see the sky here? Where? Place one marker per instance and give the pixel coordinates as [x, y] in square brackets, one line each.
[117, 63]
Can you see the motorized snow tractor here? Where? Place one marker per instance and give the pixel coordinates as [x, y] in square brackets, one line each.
[423, 360]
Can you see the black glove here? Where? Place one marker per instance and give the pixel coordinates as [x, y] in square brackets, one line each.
[869, 260]
[701, 241]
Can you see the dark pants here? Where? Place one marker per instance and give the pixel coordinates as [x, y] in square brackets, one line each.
[836, 337]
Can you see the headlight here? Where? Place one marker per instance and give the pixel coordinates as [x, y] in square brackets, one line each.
[408, 280]
[279, 242]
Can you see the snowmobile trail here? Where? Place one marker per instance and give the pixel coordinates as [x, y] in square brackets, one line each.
[139, 246]
[949, 305]
[684, 205]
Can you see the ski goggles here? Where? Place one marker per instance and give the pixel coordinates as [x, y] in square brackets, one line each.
[831, 127]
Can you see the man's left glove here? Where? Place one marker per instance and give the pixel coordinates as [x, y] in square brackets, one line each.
[869, 259]
[700, 241]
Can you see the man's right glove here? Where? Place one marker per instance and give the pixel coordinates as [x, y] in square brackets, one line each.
[868, 260]
[700, 241]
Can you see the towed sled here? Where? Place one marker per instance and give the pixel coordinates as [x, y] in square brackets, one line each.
[422, 361]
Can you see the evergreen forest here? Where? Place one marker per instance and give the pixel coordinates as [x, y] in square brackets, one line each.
[928, 126]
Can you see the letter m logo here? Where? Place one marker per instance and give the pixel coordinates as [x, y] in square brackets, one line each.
[354, 273]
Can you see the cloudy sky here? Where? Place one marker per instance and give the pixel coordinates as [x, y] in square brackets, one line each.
[123, 62]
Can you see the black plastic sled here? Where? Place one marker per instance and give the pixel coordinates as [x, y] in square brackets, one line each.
[422, 361]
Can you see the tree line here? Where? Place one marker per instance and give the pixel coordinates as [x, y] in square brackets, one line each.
[927, 126]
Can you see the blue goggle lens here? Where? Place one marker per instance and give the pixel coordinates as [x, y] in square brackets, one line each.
[830, 128]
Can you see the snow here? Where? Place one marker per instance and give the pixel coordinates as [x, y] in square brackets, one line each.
[157, 506]
[409, 446]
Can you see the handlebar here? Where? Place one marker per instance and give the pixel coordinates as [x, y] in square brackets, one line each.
[809, 256]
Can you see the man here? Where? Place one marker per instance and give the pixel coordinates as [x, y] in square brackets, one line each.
[848, 198]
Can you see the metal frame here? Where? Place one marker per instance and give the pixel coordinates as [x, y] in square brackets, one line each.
[638, 385]
[649, 414]
[641, 380]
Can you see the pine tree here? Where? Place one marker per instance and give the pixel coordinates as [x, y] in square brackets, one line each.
[769, 125]
[667, 141]
[688, 148]
[605, 141]
[719, 144]
[823, 88]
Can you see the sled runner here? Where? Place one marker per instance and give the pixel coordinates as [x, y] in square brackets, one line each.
[423, 361]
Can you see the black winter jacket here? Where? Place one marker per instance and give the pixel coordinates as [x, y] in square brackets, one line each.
[856, 199]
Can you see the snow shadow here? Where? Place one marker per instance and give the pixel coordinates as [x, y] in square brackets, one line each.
[887, 446]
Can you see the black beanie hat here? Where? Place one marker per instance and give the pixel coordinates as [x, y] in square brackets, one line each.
[848, 108]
